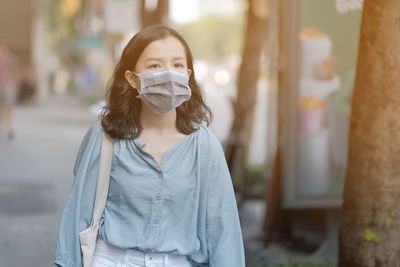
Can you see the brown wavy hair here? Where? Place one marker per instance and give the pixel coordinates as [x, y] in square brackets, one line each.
[120, 117]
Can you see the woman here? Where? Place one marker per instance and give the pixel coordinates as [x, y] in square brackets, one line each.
[171, 200]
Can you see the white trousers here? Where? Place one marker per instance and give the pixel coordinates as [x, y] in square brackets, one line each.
[107, 255]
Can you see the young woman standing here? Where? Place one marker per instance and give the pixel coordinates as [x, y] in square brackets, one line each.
[171, 200]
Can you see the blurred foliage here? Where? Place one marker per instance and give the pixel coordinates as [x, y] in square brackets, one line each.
[258, 264]
[251, 183]
[59, 24]
[63, 20]
[307, 263]
[214, 37]
[295, 263]
[255, 181]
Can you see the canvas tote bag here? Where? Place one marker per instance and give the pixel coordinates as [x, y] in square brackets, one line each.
[88, 236]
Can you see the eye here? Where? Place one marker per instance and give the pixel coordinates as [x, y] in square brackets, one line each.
[154, 66]
[179, 65]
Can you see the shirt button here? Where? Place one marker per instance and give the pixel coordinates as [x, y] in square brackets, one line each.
[158, 197]
[155, 221]
[160, 176]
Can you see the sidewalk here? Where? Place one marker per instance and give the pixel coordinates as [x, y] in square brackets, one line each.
[35, 177]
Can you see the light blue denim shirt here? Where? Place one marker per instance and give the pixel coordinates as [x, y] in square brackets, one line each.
[185, 205]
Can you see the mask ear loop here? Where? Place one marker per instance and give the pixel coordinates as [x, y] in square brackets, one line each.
[138, 80]
[138, 76]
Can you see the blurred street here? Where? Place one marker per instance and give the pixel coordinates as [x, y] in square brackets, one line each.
[36, 174]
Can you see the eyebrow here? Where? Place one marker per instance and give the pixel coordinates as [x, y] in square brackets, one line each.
[160, 59]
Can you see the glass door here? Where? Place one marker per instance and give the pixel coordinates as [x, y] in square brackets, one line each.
[318, 47]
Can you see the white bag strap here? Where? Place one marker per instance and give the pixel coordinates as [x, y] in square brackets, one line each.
[103, 180]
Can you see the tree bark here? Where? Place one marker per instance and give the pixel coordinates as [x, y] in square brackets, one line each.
[276, 223]
[369, 235]
[236, 149]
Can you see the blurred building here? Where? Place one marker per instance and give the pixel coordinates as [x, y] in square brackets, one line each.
[22, 28]
[16, 20]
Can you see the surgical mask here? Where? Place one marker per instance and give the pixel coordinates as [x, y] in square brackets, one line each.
[164, 89]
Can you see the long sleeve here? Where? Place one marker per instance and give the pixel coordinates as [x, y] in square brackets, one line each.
[78, 209]
[224, 235]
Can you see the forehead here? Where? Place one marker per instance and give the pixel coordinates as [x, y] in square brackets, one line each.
[169, 47]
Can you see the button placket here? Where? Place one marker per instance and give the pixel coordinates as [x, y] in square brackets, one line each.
[157, 203]
[148, 260]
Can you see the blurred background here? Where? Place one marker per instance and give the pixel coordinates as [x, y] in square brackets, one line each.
[278, 76]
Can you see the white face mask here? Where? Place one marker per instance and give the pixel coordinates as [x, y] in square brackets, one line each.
[164, 89]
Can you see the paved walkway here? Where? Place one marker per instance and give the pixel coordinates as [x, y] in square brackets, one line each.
[35, 178]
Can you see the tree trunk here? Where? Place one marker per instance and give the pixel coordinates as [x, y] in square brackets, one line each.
[277, 221]
[369, 235]
[238, 142]
[156, 15]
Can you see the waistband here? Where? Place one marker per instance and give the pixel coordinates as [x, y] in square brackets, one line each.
[136, 256]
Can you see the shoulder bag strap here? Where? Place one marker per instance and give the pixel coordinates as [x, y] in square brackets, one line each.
[103, 180]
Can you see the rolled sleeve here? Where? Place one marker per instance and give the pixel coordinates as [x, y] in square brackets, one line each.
[224, 235]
